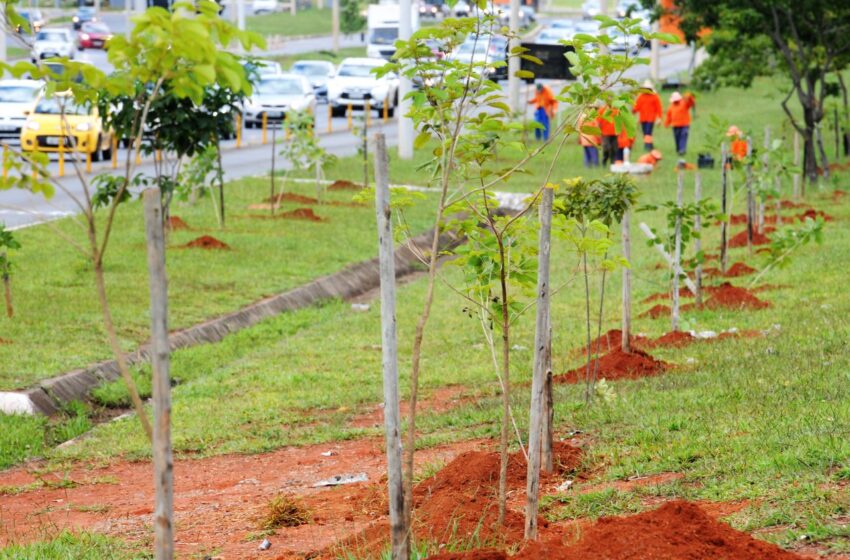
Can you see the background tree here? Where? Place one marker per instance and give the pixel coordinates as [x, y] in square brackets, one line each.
[805, 40]
[350, 19]
[7, 243]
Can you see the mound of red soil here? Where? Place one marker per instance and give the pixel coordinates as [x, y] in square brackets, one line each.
[656, 312]
[740, 240]
[486, 554]
[813, 214]
[675, 531]
[5, 341]
[292, 197]
[610, 340]
[675, 339]
[301, 214]
[727, 296]
[617, 364]
[838, 194]
[664, 296]
[739, 269]
[176, 223]
[342, 185]
[206, 242]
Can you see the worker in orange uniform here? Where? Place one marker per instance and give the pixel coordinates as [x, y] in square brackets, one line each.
[738, 148]
[679, 117]
[649, 111]
[589, 143]
[545, 107]
[652, 158]
[605, 122]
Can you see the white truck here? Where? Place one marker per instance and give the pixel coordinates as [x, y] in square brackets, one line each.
[383, 25]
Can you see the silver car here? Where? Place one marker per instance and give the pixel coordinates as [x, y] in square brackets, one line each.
[275, 96]
[318, 72]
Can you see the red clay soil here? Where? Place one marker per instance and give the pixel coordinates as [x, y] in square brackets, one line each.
[292, 197]
[740, 240]
[617, 364]
[813, 214]
[664, 296]
[176, 223]
[206, 242]
[302, 214]
[792, 204]
[674, 339]
[5, 341]
[486, 554]
[655, 312]
[677, 530]
[727, 296]
[610, 340]
[342, 185]
[739, 269]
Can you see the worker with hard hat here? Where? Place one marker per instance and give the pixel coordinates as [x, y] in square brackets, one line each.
[652, 158]
[679, 117]
[649, 111]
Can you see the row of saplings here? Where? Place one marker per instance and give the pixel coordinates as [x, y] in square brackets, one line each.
[465, 504]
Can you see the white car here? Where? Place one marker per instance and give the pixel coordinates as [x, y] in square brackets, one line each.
[263, 68]
[264, 6]
[53, 42]
[355, 84]
[319, 72]
[17, 100]
[275, 96]
[554, 36]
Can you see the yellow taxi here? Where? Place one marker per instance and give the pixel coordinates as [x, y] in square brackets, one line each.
[80, 130]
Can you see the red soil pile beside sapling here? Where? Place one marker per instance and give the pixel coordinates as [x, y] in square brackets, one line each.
[740, 240]
[792, 204]
[727, 296]
[301, 214]
[292, 197]
[813, 214]
[617, 364]
[663, 296]
[207, 242]
[486, 554]
[610, 340]
[176, 223]
[675, 339]
[739, 269]
[342, 185]
[656, 312]
[675, 531]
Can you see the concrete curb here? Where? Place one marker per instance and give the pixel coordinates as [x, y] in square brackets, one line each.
[49, 396]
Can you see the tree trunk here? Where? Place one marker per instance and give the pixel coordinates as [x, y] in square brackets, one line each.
[677, 253]
[389, 345]
[272, 201]
[506, 390]
[625, 341]
[698, 239]
[220, 175]
[750, 201]
[824, 159]
[724, 207]
[538, 380]
[163, 465]
[7, 286]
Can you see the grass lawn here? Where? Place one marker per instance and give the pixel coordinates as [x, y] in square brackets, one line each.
[568, 4]
[287, 61]
[305, 22]
[759, 419]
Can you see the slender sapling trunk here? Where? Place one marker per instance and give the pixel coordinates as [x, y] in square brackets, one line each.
[677, 252]
[724, 207]
[750, 202]
[698, 240]
[626, 342]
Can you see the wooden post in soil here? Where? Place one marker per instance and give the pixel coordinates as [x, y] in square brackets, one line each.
[163, 465]
[797, 192]
[392, 425]
[750, 202]
[697, 240]
[765, 162]
[724, 225]
[538, 380]
[7, 285]
[627, 283]
[548, 427]
[272, 201]
[677, 251]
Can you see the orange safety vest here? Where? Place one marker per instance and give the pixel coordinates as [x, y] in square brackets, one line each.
[606, 126]
[648, 107]
[544, 99]
[679, 114]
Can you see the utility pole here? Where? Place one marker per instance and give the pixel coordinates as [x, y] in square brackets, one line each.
[240, 15]
[513, 61]
[335, 24]
[405, 124]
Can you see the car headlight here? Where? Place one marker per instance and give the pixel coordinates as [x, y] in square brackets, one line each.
[32, 125]
[75, 19]
[84, 36]
[83, 127]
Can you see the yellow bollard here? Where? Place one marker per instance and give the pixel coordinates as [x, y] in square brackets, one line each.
[368, 117]
[88, 162]
[5, 160]
[350, 117]
[238, 130]
[387, 109]
[159, 155]
[114, 152]
[61, 156]
[330, 121]
[265, 128]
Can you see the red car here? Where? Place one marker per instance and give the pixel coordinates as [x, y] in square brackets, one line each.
[93, 35]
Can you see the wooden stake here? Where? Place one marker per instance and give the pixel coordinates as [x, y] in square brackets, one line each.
[538, 380]
[724, 225]
[7, 285]
[548, 428]
[797, 178]
[677, 252]
[627, 283]
[660, 248]
[698, 241]
[392, 423]
[163, 465]
[766, 162]
[750, 200]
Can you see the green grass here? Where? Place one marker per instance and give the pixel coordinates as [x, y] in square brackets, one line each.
[287, 61]
[57, 318]
[14, 53]
[762, 419]
[79, 546]
[567, 4]
[305, 22]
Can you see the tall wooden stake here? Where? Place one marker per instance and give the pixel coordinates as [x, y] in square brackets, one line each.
[677, 252]
[389, 345]
[766, 162]
[163, 465]
[538, 380]
[797, 176]
[272, 201]
[750, 202]
[698, 241]
[724, 225]
[7, 285]
[627, 283]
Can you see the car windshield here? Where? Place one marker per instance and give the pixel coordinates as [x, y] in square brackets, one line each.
[95, 28]
[86, 12]
[384, 35]
[280, 87]
[17, 94]
[56, 36]
[355, 70]
[55, 105]
[308, 69]
[551, 36]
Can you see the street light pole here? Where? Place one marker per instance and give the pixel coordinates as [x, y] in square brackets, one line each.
[654, 56]
[240, 15]
[335, 24]
[513, 61]
[405, 124]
